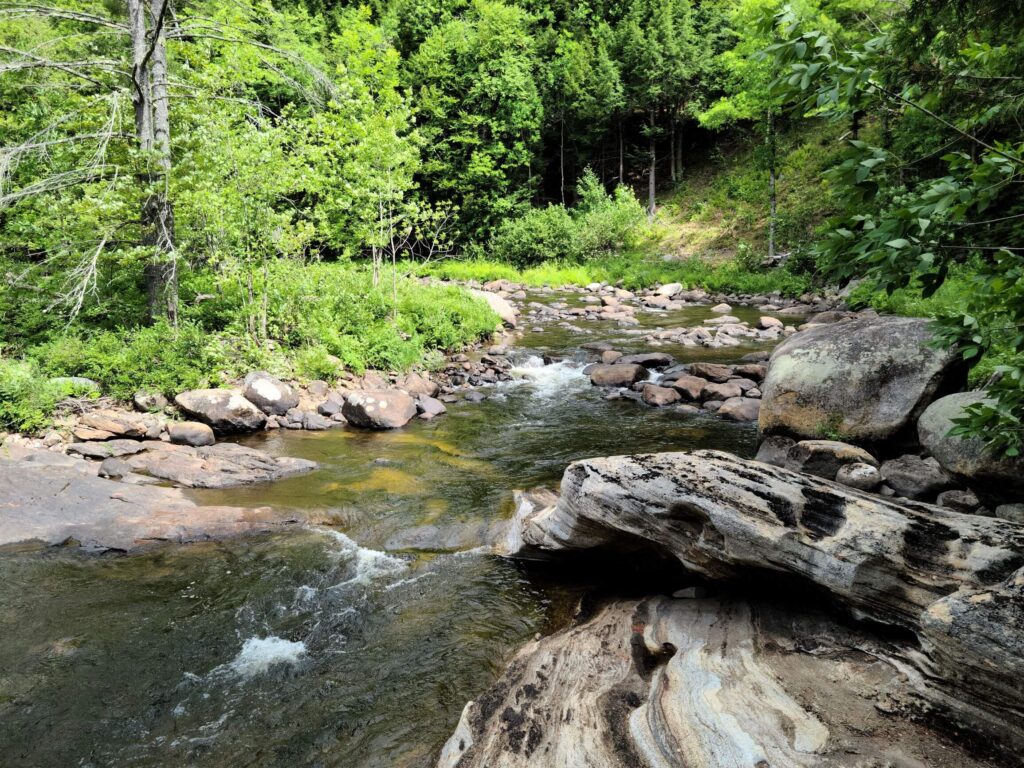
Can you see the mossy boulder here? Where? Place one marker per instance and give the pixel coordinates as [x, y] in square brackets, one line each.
[862, 381]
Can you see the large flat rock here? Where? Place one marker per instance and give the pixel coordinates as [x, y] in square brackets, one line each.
[709, 683]
[954, 580]
[55, 499]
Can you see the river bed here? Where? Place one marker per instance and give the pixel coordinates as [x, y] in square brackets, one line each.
[353, 638]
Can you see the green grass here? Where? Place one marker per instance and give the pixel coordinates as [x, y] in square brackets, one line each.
[632, 272]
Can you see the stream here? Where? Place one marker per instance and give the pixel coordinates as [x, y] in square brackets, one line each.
[353, 638]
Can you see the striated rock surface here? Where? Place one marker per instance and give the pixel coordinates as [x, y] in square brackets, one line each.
[955, 580]
[706, 683]
[865, 380]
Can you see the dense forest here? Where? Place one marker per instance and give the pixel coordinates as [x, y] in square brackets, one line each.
[189, 189]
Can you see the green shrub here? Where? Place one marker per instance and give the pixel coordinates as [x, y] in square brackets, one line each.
[315, 363]
[27, 397]
[538, 235]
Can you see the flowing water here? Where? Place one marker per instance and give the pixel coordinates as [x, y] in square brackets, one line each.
[353, 638]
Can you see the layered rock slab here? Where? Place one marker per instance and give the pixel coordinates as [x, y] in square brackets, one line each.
[955, 580]
[703, 684]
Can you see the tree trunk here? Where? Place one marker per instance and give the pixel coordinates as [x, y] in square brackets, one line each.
[651, 175]
[165, 271]
[771, 187]
[622, 155]
[672, 150]
[141, 96]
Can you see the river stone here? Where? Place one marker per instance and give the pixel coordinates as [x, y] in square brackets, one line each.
[866, 380]
[721, 308]
[387, 409]
[774, 450]
[968, 458]
[766, 322]
[740, 409]
[418, 384]
[225, 410]
[690, 387]
[824, 457]
[269, 394]
[916, 478]
[148, 402]
[430, 405]
[863, 477]
[959, 501]
[712, 371]
[192, 433]
[646, 359]
[652, 394]
[107, 424]
[669, 289]
[610, 356]
[501, 307]
[617, 375]
[713, 391]
[755, 371]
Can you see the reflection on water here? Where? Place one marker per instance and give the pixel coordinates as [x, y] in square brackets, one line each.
[354, 641]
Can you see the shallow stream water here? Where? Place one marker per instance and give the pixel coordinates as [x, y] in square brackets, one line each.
[353, 638]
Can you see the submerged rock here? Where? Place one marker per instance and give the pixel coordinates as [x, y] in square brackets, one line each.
[865, 380]
[213, 466]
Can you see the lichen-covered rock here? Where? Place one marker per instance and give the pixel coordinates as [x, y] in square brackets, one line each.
[269, 394]
[380, 409]
[968, 458]
[225, 410]
[864, 380]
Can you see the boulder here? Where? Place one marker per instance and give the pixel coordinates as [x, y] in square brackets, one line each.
[712, 371]
[387, 409]
[690, 387]
[774, 450]
[701, 682]
[646, 359]
[740, 409]
[953, 580]
[114, 468]
[269, 394]
[108, 424]
[106, 448]
[610, 356]
[755, 371]
[149, 402]
[225, 410]
[669, 289]
[713, 391]
[191, 433]
[969, 459]
[824, 458]
[959, 501]
[418, 384]
[501, 307]
[916, 478]
[721, 308]
[617, 375]
[657, 396]
[863, 477]
[765, 322]
[431, 405]
[866, 380]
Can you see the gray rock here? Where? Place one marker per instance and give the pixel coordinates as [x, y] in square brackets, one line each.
[617, 375]
[646, 359]
[959, 501]
[418, 384]
[863, 477]
[192, 433]
[149, 402]
[501, 307]
[269, 394]
[225, 410]
[114, 468]
[953, 580]
[430, 405]
[690, 387]
[824, 457]
[108, 424]
[713, 391]
[740, 409]
[916, 478]
[774, 450]
[388, 409]
[715, 372]
[1012, 512]
[969, 459]
[865, 380]
[474, 396]
[332, 405]
[223, 465]
[609, 356]
[314, 422]
[106, 449]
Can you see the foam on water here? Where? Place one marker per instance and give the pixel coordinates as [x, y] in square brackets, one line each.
[368, 565]
[258, 654]
[548, 380]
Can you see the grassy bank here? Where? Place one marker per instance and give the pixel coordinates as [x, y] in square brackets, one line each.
[632, 272]
[301, 322]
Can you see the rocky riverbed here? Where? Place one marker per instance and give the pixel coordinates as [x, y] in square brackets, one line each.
[853, 597]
